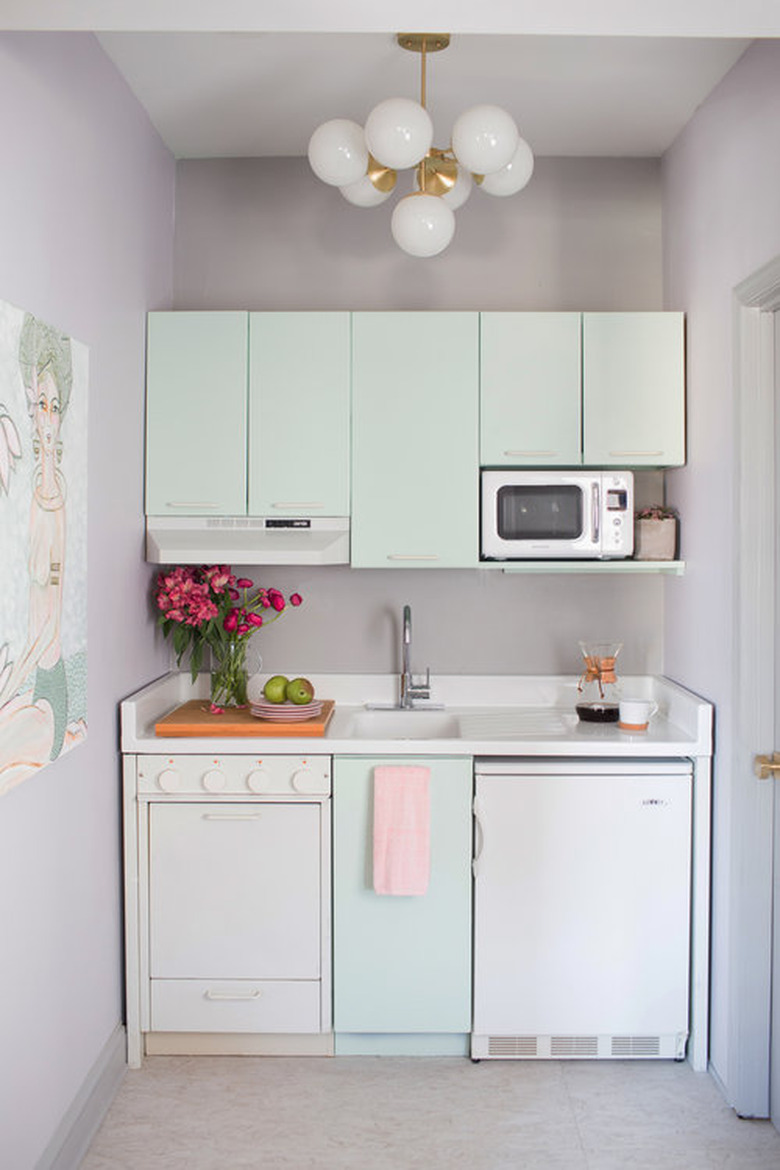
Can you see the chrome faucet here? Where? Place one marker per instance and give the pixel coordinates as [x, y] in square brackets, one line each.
[411, 690]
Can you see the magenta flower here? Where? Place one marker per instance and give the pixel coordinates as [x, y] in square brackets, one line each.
[196, 607]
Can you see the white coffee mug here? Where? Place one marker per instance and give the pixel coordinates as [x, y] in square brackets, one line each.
[635, 714]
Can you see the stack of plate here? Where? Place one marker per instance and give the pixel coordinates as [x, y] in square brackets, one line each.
[286, 712]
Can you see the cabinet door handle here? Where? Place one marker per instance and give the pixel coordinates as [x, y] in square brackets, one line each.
[634, 454]
[301, 505]
[533, 454]
[412, 556]
[230, 816]
[224, 996]
[191, 504]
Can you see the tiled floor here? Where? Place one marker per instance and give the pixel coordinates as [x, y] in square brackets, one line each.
[374, 1113]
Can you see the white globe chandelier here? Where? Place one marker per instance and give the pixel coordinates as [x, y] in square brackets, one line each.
[363, 162]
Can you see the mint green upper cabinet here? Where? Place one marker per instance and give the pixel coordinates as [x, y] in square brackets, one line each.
[402, 963]
[634, 389]
[196, 414]
[299, 396]
[530, 389]
[415, 487]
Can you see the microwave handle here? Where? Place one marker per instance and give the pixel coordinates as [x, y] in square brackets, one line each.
[595, 512]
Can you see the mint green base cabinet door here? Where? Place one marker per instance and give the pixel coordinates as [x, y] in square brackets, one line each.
[530, 389]
[415, 449]
[402, 964]
[633, 389]
[299, 396]
[196, 383]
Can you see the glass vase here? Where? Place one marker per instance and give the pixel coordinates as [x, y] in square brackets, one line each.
[229, 675]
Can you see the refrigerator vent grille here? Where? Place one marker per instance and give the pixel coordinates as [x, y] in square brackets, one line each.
[512, 1046]
[574, 1045]
[636, 1045]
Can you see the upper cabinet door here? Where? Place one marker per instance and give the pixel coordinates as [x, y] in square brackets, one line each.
[530, 389]
[196, 414]
[299, 397]
[415, 470]
[634, 389]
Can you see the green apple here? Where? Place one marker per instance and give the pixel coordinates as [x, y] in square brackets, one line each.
[275, 690]
[300, 691]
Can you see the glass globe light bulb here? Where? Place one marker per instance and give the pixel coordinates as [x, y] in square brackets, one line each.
[363, 193]
[338, 153]
[399, 132]
[422, 225]
[484, 139]
[514, 176]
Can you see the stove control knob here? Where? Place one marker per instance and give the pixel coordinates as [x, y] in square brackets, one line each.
[213, 780]
[169, 780]
[258, 780]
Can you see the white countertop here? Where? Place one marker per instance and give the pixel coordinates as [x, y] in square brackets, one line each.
[499, 715]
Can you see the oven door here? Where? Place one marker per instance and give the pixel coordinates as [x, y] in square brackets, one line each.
[529, 515]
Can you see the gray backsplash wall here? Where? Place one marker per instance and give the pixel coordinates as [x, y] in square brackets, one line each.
[585, 234]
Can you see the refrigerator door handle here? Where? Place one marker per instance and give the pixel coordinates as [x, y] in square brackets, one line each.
[479, 838]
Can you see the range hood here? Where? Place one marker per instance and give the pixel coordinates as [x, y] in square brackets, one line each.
[247, 540]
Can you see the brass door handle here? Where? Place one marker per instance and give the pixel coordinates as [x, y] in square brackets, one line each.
[766, 766]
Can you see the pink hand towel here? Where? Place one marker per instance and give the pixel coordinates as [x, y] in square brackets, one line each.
[402, 823]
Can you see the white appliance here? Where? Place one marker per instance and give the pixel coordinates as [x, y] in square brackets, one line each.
[582, 908]
[545, 514]
[228, 904]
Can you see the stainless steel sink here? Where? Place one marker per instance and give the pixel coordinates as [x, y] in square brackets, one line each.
[401, 724]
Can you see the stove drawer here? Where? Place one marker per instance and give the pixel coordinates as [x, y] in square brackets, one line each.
[236, 1005]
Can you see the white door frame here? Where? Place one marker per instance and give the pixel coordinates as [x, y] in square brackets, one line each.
[751, 802]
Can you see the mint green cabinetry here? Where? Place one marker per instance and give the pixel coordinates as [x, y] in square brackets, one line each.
[530, 389]
[402, 964]
[196, 414]
[633, 389]
[415, 447]
[299, 396]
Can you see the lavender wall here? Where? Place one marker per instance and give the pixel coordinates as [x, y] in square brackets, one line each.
[722, 223]
[86, 221]
[585, 234]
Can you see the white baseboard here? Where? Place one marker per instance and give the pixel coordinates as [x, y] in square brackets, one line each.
[71, 1139]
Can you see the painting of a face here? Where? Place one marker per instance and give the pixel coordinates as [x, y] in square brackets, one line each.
[47, 412]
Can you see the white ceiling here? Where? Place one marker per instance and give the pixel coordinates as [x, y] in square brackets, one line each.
[245, 94]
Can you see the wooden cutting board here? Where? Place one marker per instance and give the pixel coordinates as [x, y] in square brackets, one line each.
[195, 718]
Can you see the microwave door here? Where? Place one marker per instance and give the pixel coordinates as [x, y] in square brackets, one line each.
[544, 519]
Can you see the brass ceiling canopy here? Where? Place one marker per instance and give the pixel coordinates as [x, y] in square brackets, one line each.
[423, 42]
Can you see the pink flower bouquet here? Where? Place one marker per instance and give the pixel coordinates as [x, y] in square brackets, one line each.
[208, 606]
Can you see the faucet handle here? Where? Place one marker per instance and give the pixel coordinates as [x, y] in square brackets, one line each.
[417, 688]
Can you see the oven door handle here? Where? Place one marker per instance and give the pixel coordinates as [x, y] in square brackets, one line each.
[595, 513]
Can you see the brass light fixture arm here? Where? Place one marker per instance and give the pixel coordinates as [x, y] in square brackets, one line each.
[424, 43]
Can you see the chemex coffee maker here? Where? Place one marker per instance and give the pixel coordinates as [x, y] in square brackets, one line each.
[598, 685]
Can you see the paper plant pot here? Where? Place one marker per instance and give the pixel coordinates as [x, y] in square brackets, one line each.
[655, 540]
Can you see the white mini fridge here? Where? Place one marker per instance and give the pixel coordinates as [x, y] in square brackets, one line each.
[581, 908]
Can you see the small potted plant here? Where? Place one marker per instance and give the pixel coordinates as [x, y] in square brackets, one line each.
[655, 533]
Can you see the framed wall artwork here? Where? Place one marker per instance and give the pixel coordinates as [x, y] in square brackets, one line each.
[43, 544]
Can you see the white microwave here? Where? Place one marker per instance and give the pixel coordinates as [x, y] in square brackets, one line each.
[582, 514]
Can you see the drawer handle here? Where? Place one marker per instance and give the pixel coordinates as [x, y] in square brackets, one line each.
[191, 504]
[223, 995]
[412, 556]
[230, 816]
